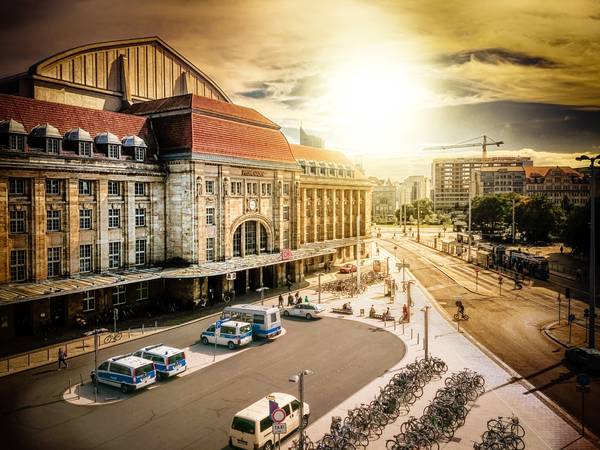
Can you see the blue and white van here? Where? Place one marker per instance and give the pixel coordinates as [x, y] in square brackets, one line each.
[265, 320]
[168, 361]
[126, 372]
[232, 334]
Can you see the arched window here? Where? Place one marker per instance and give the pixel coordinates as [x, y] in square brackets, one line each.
[263, 238]
[237, 242]
[250, 238]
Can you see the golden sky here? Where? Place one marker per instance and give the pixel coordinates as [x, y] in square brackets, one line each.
[380, 79]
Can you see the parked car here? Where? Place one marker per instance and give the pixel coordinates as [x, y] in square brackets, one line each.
[348, 268]
[584, 358]
[232, 334]
[308, 310]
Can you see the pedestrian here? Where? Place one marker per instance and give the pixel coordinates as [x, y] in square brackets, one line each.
[306, 299]
[280, 300]
[290, 299]
[297, 297]
[561, 249]
[289, 284]
[404, 313]
[62, 358]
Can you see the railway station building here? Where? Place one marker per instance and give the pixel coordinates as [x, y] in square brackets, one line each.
[129, 179]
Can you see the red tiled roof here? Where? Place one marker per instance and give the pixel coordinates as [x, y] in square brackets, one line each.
[542, 171]
[219, 136]
[202, 105]
[304, 152]
[31, 112]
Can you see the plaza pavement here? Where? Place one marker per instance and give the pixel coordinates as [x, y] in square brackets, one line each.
[506, 394]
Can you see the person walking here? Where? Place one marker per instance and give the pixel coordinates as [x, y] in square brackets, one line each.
[297, 297]
[306, 299]
[290, 299]
[62, 358]
[280, 300]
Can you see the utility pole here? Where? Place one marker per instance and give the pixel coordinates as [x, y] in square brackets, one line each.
[426, 334]
[592, 275]
[357, 251]
[96, 344]
[418, 221]
[513, 220]
[404, 209]
[470, 186]
[320, 287]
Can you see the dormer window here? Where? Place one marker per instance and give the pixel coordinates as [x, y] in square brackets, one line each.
[108, 144]
[47, 138]
[53, 146]
[135, 147]
[140, 153]
[80, 141]
[114, 151]
[12, 135]
[85, 148]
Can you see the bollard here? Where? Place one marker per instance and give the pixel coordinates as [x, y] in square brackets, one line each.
[417, 338]
[69, 385]
[83, 344]
[129, 333]
[156, 324]
[411, 334]
[142, 329]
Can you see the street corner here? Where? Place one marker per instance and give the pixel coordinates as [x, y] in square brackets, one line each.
[83, 395]
[565, 334]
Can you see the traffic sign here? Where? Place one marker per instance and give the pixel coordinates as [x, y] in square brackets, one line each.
[278, 415]
[477, 269]
[280, 428]
[583, 379]
[571, 317]
[219, 323]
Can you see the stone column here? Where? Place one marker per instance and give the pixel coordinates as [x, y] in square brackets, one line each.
[4, 217]
[72, 225]
[343, 212]
[102, 224]
[334, 213]
[315, 217]
[128, 225]
[39, 254]
[324, 222]
[242, 240]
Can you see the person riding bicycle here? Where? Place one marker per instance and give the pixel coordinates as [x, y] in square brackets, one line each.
[347, 307]
[461, 308]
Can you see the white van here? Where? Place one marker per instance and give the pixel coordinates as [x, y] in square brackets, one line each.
[232, 334]
[251, 427]
[126, 372]
[168, 361]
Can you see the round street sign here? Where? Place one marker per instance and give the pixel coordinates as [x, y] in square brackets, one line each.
[583, 379]
[278, 415]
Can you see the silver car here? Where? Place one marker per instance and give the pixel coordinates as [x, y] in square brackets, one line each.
[308, 310]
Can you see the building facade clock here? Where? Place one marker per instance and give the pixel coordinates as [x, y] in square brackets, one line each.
[252, 205]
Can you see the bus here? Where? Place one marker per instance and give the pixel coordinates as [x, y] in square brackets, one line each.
[265, 320]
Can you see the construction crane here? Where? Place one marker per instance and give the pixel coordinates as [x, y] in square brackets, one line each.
[487, 141]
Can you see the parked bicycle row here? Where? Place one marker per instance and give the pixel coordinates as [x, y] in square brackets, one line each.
[366, 422]
[503, 433]
[347, 286]
[443, 416]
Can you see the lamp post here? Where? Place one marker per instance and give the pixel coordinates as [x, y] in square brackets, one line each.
[299, 378]
[320, 286]
[592, 276]
[418, 221]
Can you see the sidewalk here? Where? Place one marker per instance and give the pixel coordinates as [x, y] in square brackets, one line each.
[504, 396]
[47, 354]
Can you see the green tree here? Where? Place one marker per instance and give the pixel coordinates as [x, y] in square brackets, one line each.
[576, 232]
[537, 217]
[425, 208]
[490, 213]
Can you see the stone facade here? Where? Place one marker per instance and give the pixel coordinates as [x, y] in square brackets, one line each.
[158, 203]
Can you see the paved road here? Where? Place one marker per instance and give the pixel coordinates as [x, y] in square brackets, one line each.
[509, 326]
[195, 411]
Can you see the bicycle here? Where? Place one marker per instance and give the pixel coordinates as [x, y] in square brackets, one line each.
[113, 337]
[461, 316]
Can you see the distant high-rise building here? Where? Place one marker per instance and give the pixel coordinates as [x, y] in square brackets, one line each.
[413, 188]
[452, 177]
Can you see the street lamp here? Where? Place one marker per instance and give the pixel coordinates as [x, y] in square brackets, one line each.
[299, 378]
[592, 308]
[320, 286]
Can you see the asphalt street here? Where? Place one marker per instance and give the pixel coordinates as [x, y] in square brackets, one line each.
[195, 411]
[509, 326]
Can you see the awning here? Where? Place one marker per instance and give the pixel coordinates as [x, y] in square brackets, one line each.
[248, 262]
[24, 292]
